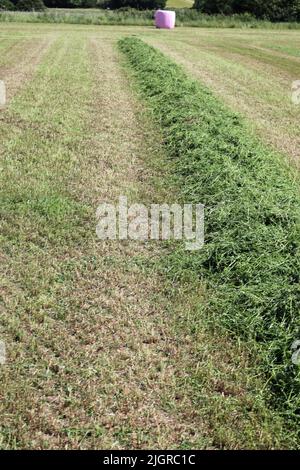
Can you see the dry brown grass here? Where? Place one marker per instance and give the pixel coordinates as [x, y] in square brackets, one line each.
[19, 62]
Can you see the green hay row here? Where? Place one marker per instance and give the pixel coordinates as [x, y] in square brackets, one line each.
[250, 260]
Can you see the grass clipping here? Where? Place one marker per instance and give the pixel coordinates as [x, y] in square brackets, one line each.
[250, 260]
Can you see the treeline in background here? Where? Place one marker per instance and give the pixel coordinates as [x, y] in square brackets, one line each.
[273, 10]
[241, 10]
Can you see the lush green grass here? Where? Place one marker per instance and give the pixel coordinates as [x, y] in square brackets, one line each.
[251, 256]
[184, 17]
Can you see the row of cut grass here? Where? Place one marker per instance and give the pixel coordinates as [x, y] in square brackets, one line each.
[251, 256]
[256, 84]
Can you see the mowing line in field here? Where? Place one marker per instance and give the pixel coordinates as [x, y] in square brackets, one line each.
[19, 62]
[39, 157]
[260, 91]
[251, 256]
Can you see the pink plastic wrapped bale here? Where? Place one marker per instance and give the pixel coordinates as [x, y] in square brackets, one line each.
[165, 19]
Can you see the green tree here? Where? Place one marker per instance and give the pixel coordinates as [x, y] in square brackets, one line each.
[274, 10]
[6, 5]
[213, 7]
[30, 5]
[138, 4]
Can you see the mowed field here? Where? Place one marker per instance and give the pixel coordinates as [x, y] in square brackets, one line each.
[252, 71]
[100, 349]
